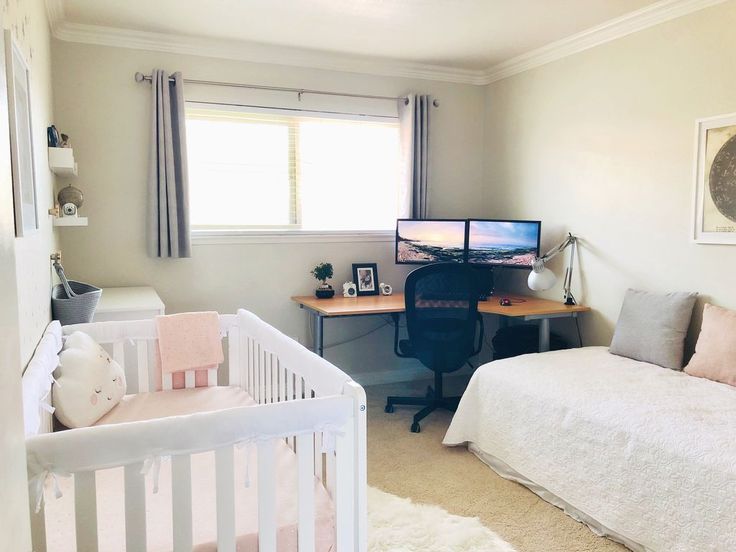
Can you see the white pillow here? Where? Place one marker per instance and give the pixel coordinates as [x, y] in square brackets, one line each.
[89, 382]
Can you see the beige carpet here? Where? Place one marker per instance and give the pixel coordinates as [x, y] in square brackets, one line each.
[419, 467]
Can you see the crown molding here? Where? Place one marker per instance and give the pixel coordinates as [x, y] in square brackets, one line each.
[54, 12]
[258, 53]
[659, 12]
[638, 20]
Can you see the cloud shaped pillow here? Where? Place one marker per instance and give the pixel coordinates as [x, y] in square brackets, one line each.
[89, 382]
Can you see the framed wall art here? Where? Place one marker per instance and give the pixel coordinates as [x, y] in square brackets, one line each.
[21, 138]
[715, 181]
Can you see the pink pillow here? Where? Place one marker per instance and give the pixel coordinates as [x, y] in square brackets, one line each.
[715, 352]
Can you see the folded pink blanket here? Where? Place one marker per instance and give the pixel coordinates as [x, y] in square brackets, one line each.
[189, 341]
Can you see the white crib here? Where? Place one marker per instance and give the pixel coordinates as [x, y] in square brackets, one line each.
[301, 399]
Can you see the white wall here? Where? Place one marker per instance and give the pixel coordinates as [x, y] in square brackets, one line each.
[107, 115]
[24, 270]
[602, 144]
[32, 252]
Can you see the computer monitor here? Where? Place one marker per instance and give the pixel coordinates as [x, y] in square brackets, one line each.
[430, 241]
[503, 243]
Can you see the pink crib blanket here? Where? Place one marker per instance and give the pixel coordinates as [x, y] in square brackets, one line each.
[188, 341]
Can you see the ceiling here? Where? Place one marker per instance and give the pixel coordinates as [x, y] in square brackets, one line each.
[468, 34]
[460, 35]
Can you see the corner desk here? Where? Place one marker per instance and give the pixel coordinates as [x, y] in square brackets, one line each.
[522, 307]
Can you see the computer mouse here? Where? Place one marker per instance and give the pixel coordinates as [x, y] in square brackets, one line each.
[504, 302]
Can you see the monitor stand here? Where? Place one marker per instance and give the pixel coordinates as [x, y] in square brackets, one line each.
[486, 283]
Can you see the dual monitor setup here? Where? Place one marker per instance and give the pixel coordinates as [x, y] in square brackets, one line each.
[482, 243]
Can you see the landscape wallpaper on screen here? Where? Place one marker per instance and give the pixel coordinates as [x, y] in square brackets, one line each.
[423, 241]
[502, 243]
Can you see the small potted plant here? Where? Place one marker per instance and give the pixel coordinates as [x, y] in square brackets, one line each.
[323, 271]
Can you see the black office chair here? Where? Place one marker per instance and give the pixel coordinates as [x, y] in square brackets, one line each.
[441, 320]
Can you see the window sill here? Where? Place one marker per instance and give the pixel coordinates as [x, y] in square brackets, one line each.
[224, 237]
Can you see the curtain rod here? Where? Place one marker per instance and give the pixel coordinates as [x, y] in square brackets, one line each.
[140, 77]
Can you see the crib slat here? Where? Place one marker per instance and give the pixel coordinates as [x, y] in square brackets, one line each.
[85, 510]
[251, 375]
[318, 455]
[289, 385]
[330, 463]
[305, 492]
[135, 508]
[261, 375]
[167, 382]
[142, 349]
[224, 476]
[118, 353]
[181, 501]
[38, 526]
[256, 372]
[189, 379]
[266, 497]
[268, 371]
[233, 356]
[275, 378]
[282, 381]
[345, 500]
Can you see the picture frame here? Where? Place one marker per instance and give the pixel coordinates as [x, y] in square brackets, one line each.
[714, 220]
[365, 276]
[21, 138]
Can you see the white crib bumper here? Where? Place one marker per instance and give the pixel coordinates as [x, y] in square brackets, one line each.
[100, 447]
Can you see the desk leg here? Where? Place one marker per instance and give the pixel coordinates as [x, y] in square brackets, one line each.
[543, 335]
[318, 343]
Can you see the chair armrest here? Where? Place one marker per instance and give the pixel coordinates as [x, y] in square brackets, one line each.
[480, 335]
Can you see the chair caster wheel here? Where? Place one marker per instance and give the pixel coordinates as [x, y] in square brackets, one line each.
[415, 428]
[388, 409]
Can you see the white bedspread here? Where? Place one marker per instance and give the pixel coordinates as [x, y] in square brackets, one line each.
[649, 453]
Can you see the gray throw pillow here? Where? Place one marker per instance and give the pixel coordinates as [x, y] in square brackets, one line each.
[652, 327]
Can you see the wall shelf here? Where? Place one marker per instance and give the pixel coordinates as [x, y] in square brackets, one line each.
[70, 221]
[61, 161]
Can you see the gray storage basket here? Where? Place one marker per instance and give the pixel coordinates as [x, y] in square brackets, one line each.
[73, 302]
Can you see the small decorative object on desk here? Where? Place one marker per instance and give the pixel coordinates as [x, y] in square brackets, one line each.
[349, 289]
[386, 289]
[366, 276]
[70, 199]
[323, 272]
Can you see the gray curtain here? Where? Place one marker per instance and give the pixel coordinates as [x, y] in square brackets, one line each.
[414, 123]
[168, 180]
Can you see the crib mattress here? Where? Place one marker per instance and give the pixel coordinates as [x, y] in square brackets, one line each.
[159, 528]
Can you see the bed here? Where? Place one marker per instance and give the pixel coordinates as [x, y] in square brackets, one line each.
[642, 454]
[273, 461]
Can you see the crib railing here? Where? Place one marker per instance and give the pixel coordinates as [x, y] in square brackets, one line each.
[300, 397]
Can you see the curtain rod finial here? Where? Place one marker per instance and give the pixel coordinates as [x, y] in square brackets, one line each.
[139, 77]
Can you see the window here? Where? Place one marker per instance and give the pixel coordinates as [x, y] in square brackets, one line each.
[278, 171]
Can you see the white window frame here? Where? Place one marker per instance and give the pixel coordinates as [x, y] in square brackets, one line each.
[287, 234]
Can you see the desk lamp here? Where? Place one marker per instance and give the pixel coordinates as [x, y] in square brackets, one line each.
[542, 278]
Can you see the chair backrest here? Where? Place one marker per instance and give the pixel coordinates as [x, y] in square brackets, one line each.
[441, 314]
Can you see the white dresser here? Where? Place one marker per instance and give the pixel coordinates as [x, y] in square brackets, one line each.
[128, 303]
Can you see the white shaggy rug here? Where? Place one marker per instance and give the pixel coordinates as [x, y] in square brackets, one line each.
[398, 525]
